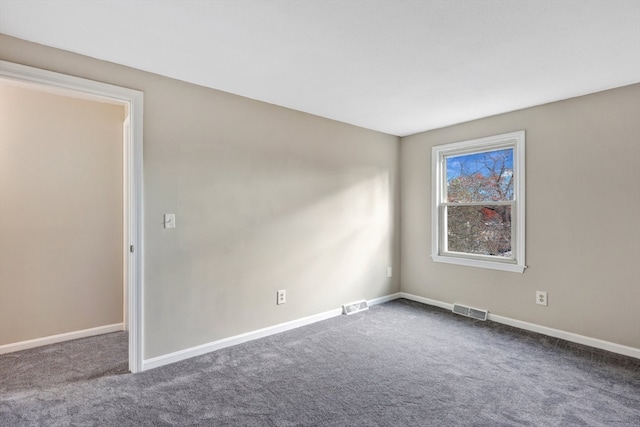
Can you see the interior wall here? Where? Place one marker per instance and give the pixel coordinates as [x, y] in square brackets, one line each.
[61, 225]
[265, 198]
[582, 218]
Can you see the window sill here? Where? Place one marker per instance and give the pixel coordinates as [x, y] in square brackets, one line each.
[470, 262]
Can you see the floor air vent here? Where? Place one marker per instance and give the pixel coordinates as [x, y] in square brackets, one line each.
[470, 312]
[355, 307]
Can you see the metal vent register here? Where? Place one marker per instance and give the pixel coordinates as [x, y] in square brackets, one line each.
[470, 312]
[355, 307]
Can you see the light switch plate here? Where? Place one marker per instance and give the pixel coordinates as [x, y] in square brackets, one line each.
[169, 220]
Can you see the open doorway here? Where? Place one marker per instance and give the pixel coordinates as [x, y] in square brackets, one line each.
[112, 218]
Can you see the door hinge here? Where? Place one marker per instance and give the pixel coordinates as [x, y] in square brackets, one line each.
[131, 248]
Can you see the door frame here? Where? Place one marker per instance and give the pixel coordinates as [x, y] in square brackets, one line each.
[133, 211]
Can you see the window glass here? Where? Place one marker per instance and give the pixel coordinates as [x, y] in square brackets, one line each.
[481, 230]
[480, 177]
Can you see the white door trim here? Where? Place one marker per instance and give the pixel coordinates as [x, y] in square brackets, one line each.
[133, 210]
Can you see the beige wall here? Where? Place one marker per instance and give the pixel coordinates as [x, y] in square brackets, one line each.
[265, 198]
[60, 214]
[583, 218]
[268, 198]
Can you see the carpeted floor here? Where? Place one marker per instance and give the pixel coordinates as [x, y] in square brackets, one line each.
[398, 364]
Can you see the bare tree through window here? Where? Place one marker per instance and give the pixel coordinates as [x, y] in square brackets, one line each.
[479, 189]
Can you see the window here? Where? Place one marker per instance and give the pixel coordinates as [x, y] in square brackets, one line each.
[478, 202]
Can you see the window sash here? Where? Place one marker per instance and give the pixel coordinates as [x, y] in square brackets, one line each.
[443, 241]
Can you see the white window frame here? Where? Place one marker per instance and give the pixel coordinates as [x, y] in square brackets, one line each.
[516, 263]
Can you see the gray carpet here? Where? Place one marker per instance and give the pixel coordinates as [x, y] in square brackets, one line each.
[398, 364]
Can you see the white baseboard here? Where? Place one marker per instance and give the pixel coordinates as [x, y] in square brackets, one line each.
[556, 333]
[53, 339]
[188, 353]
[382, 300]
[427, 301]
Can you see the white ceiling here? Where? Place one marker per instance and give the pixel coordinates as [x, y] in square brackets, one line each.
[398, 67]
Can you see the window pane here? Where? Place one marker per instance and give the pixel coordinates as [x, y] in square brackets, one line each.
[481, 230]
[480, 177]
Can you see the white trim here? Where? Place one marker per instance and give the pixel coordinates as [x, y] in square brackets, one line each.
[126, 162]
[568, 336]
[426, 301]
[133, 101]
[188, 353]
[199, 350]
[471, 262]
[382, 300]
[544, 330]
[515, 140]
[135, 228]
[54, 339]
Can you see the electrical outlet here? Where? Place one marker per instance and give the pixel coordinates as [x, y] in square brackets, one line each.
[389, 272]
[281, 296]
[541, 297]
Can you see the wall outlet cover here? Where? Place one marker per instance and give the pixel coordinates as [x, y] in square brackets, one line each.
[541, 297]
